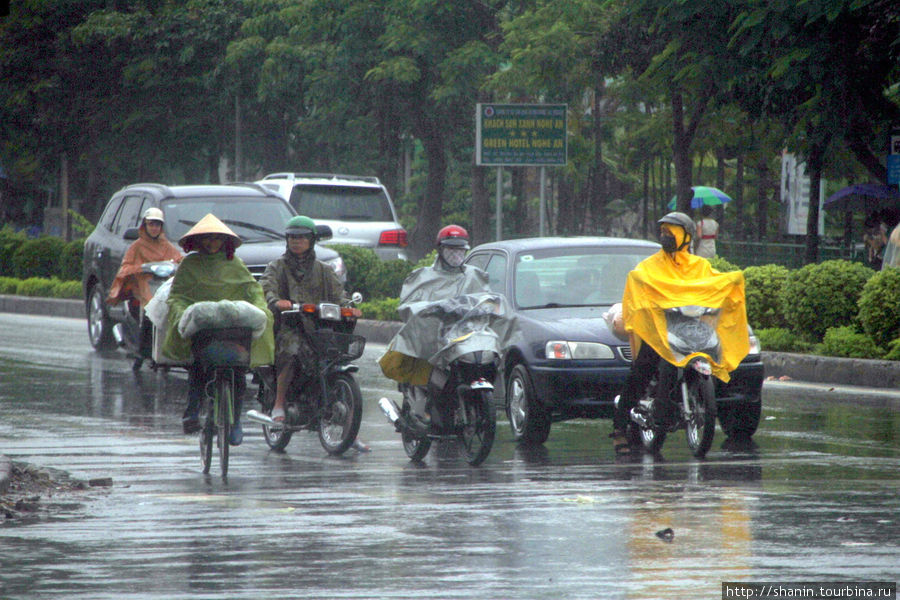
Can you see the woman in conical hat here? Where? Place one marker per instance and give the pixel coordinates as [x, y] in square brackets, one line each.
[209, 229]
[211, 272]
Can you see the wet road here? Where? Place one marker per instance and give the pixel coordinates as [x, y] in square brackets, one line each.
[814, 498]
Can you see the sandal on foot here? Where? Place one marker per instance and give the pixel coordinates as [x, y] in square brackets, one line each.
[278, 415]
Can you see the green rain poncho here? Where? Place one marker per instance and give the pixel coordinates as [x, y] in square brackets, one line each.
[211, 277]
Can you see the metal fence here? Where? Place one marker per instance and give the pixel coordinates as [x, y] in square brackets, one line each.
[747, 254]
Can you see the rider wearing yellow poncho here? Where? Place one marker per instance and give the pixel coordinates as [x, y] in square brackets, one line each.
[670, 278]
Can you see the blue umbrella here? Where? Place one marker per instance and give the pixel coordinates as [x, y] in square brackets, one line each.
[704, 195]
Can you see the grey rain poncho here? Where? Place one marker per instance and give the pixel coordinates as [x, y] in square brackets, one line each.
[446, 313]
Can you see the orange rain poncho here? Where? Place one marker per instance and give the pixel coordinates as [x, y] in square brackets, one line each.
[664, 281]
[130, 278]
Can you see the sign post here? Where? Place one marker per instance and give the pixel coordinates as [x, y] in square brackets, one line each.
[520, 135]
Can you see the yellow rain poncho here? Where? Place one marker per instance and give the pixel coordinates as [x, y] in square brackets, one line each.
[666, 280]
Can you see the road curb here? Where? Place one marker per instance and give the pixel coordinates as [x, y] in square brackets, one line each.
[799, 367]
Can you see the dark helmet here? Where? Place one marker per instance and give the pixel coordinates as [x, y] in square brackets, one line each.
[452, 235]
[682, 220]
[300, 225]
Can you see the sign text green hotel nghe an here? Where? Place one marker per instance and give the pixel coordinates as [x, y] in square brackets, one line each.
[520, 134]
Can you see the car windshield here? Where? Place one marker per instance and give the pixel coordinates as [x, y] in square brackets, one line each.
[341, 203]
[574, 276]
[253, 219]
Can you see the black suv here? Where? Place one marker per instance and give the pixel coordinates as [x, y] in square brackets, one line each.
[256, 214]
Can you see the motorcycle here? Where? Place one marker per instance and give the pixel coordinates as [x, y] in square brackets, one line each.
[134, 331]
[683, 397]
[327, 401]
[461, 394]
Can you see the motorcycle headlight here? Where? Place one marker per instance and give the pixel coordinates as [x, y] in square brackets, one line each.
[163, 270]
[337, 263]
[563, 350]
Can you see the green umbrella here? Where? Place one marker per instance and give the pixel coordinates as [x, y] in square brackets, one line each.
[704, 196]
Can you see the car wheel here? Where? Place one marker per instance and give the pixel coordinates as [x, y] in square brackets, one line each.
[99, 324]
[528, 418]
[740, 420]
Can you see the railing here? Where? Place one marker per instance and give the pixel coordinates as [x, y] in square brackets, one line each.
[746, 254]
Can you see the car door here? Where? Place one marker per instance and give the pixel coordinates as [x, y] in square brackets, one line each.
[127, 216]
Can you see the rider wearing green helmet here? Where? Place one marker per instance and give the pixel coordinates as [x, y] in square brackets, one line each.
[297, 277]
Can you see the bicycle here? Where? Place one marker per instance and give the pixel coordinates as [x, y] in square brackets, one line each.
[227, 352]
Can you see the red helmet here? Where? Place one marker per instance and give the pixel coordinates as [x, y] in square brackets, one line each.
[452, 235]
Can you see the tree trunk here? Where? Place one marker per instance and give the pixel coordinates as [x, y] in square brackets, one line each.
[815, 161]
[681, 148]
[481, 211]
[738, 215]
[428, 220]
[597, 195]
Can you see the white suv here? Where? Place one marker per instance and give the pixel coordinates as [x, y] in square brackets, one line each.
[357, 208]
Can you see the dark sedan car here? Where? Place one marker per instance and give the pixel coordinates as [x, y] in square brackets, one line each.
[254, 213]
[567, 363]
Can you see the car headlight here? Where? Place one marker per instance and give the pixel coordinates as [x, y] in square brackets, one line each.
[337, 263]
[562, 350]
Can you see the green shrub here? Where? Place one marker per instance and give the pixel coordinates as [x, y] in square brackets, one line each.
[67, 289]
[71, 262]
[817, 297]
[847, 342]
[8, 285]
[38, 257]
[360, 263]
[780, 339]
[879, 306]
[763, 287]
[80, 224]
[36, 286]
[384, 309]
[387, 277]
[723, 266]
[10, 241]
[893, 352]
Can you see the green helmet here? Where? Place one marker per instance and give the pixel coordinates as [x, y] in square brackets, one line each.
[300, 225]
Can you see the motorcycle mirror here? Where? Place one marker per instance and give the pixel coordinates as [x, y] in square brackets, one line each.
[356, 298]
[131, 234]
[323, 232]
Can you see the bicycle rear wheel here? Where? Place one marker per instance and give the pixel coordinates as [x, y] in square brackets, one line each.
[224, 415]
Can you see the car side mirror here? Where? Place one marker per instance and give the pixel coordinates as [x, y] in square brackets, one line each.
[131, 234]
[323, 232]
[356, 298]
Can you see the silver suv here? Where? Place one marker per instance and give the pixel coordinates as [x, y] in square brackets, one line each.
[357, 208]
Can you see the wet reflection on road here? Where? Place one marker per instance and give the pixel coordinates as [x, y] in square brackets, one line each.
[812, 497]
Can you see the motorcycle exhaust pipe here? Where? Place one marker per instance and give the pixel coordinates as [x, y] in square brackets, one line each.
[258, 417]
[390, 410]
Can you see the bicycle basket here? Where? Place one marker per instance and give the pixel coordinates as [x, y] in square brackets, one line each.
[222, 347]
[339, 346]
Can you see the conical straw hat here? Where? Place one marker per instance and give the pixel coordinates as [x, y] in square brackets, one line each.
[210, 224]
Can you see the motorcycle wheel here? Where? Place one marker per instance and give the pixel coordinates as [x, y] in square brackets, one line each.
[276, 437]
[477, 436]
[653, 438]
[528, 418]
[416, 448]
[99, 325]
[701, 426]
[225, 404]
[339, 422]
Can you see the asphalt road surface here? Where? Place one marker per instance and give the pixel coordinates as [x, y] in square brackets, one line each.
[812, 498]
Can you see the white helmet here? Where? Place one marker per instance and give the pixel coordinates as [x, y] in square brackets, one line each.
[153, 214]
